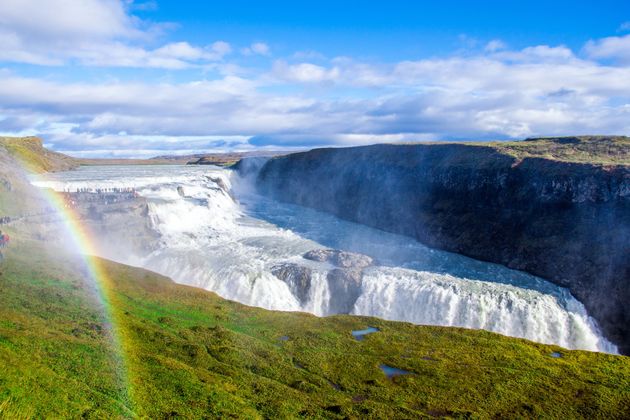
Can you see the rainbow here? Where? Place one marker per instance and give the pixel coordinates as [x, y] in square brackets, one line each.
[83, 242]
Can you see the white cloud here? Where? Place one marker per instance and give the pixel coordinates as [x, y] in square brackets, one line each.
[615, 47]
[145, 6]
[59, 20]
[535, 91]
[308, 55]
[304, 72]
[497, 92]
[91, 32]
[495, 45]
[624, 26]
[259, 48]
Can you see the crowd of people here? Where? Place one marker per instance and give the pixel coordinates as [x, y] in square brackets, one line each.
[106, 196]
[126, 190]
[5, 220]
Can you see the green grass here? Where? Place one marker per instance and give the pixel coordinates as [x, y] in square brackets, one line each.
[191, 354]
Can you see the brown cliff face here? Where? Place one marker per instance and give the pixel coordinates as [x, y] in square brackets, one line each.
[568, 222]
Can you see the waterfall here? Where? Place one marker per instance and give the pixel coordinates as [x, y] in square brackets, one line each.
[218, 235]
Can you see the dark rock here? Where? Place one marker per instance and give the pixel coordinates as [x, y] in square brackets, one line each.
[337, 409]
[320, 255]
[220, 183]
[180, 191]
[345, 288]
[297, 277]
[566, 222]
[249, 166]
[120, 222]
[6, 184]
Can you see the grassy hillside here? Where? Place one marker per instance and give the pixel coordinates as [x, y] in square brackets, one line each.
[31, 153]
[192, 354]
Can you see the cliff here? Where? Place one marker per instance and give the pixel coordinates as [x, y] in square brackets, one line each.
[537, 205]
[31, 153]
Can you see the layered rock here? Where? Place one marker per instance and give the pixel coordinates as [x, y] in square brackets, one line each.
[340, 258]
[297, 277]
[344, 280]
[568, 222]
[118, 222]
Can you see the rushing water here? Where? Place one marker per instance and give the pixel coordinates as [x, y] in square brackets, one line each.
[226, 244]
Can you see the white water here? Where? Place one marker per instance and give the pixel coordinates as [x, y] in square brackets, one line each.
[228, 246]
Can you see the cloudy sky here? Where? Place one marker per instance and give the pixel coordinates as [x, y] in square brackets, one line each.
[144, 78]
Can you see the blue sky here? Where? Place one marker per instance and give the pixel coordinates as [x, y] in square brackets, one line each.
[393, 29]
[142, 78]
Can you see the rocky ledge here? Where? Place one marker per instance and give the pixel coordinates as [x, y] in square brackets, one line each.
[344, 278]
[118, 221]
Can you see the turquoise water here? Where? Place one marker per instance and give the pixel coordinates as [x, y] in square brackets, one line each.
[360, 334]
[390, 371]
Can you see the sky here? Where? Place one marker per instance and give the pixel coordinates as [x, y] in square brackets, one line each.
[123, 78]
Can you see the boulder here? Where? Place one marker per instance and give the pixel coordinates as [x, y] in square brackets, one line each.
[339, 258]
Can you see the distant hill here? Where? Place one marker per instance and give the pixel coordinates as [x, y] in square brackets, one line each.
[221, 159]
[31, 153]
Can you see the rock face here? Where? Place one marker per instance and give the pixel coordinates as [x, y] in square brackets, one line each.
[119, 222]
[345, 288]
[297, 277]
[568, 222]
[344, 281]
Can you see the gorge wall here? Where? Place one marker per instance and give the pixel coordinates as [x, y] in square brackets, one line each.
[568, 222]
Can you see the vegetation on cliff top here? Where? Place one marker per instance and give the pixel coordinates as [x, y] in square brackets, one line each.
[600, 150]
[603, 150]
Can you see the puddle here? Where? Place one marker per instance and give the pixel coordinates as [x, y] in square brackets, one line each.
[284, 338]
[390, 372]
[360, 334]
[556, 355]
